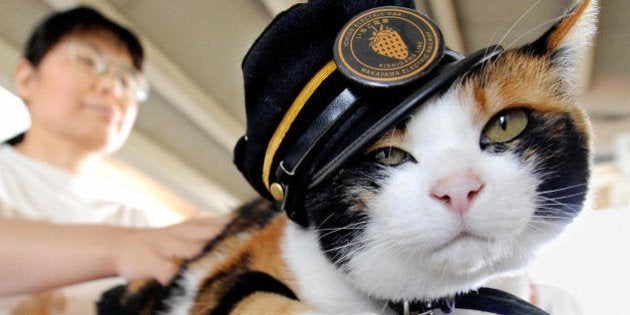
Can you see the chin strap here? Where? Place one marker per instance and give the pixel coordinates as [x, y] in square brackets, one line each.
[484, 299]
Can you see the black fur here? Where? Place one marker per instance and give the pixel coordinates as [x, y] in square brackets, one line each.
[552, 142]
[247, 284]
[115, 301]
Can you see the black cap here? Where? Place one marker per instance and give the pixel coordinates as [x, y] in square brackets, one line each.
[325, 79]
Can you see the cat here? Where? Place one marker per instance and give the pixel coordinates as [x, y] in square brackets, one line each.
[465, 190]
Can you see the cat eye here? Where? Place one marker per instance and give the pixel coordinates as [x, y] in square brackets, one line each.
[391, 156]
[506, 126]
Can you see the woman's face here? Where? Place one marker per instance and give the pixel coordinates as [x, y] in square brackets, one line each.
[69, 101]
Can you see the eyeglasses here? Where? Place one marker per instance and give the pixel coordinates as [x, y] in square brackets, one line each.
[130, 81]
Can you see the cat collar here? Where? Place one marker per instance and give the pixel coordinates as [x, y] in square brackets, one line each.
[318, 93]
[484, 299]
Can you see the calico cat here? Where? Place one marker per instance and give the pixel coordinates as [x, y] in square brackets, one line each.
[464, 190]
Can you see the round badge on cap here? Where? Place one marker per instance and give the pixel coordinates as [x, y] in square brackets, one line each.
[388, 46]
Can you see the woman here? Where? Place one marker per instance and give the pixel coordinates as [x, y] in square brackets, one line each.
[81, 78]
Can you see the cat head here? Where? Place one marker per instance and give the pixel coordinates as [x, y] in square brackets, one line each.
[478, 173]
[473, 182]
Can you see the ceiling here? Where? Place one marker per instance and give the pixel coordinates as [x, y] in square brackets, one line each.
[185, 132]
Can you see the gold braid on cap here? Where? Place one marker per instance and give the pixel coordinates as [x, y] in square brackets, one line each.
[289, 117]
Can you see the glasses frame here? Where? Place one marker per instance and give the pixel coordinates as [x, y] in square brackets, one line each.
[137, 86]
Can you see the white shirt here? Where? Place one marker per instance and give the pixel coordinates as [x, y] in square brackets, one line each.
[33, 190]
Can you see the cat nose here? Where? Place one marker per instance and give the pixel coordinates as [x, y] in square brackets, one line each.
[458, 190]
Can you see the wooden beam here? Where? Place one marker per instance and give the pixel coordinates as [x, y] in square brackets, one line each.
[274, 7]
[150, 158]
[445, 15]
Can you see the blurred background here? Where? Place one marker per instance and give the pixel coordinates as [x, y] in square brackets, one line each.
[181, 149]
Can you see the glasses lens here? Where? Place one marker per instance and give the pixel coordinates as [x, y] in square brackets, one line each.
[134, 83]
[142, 92]
[88, 58]
[130, 81]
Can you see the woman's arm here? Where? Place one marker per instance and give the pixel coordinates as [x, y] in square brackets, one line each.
[36, 256]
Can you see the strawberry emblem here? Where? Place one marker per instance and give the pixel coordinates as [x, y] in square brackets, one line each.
[388, 42]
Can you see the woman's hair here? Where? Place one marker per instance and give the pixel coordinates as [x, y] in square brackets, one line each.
[78, 20]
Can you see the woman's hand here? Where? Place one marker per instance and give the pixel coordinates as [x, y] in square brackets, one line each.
[158, 252]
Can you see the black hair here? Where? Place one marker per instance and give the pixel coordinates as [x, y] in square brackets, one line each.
[56, 26]
[80, 19]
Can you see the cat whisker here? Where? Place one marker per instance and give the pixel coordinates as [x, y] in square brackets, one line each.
[549, 219]
[345, 228]
[542, 227]
[489, 44]
[371, 243]
[364, 244]
[324, 221]
[550, 172]
[545, 228]
[337, 248]
[385, 306]
[553, 215]
[518, 21]
[373, 177]
[563, 188]
[562, 210]
[554, 202]
[557, 210]
[549, 212]
[335, 230]
[543, 24]
[555, 206]
[544, 200]
[355, 224]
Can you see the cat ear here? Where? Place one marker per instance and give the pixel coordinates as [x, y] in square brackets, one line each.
[576, 29]
[567, 41]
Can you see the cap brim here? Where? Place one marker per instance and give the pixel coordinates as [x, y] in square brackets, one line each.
[370, 119]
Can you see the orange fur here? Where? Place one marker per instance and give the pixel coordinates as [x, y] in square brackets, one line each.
[268, 253]
[263, 249]
[263, 303]
[518, 80]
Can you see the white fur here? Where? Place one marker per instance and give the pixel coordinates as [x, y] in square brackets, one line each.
[181, 304]
[320, 283]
